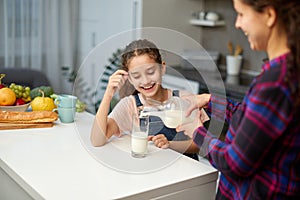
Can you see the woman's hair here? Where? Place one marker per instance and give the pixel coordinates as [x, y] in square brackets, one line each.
[288, 16]
[138, 48]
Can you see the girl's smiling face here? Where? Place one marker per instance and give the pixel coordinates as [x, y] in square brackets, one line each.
[145, 75]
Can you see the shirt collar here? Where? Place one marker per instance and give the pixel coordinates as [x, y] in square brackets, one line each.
[274, 62]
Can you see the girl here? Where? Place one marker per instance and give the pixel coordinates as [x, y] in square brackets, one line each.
[144, 68]
[260, 158]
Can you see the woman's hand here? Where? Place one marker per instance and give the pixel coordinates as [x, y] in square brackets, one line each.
[116, 81]
[196, 102]
[190, 127]
[160, 141]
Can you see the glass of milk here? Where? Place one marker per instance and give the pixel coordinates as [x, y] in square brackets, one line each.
[139, 136]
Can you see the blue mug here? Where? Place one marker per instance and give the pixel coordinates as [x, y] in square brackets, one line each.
[66, 115]
[66, 101]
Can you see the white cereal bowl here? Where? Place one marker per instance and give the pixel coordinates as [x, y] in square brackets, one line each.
[19, 108]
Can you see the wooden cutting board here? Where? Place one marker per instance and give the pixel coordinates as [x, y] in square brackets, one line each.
[8, 126]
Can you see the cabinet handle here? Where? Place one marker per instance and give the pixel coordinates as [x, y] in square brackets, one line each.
[134, 14]
[93, 39]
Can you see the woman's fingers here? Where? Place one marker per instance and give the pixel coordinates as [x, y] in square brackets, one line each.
[190, 127]
[192, 104]
[196, 102]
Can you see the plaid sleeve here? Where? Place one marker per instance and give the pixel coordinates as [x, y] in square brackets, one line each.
[265, 116]
[221, 108]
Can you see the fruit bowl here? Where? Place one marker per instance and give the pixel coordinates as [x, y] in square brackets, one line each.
[18, 108]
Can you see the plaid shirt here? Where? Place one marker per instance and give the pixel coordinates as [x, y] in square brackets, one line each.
[260, 157]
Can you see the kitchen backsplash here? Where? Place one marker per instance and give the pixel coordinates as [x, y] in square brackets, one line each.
[217, 38]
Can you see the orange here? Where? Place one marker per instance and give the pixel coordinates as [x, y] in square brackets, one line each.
[7, 97]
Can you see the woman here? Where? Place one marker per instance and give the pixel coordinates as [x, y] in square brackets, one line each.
[260, 157]
[144, 68]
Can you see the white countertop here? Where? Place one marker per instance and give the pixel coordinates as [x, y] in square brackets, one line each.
[60, 163]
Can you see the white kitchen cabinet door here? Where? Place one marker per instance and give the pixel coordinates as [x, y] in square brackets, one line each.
[100, 22]
[102, 19]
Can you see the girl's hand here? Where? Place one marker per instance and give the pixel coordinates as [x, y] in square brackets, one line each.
[116, 81]
[160, 141]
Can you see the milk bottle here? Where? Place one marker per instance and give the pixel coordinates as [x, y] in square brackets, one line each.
[172, 112]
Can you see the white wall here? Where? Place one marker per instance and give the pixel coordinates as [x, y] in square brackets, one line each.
[175, 15]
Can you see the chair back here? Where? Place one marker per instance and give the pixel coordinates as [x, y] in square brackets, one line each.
[23, 76]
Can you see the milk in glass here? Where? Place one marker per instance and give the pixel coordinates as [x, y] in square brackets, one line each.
[139, 142]
[139, 136]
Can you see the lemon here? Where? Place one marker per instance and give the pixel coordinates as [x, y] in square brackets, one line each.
[7, 97]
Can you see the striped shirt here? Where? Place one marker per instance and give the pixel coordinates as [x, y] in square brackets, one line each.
[260, 157]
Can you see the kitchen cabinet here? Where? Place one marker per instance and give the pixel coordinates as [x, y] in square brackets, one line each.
[101, 19]
[100, 23]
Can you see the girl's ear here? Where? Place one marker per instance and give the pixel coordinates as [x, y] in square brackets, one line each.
[163, 68]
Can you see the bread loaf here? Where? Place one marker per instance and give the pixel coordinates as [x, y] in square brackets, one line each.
[27, 117]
